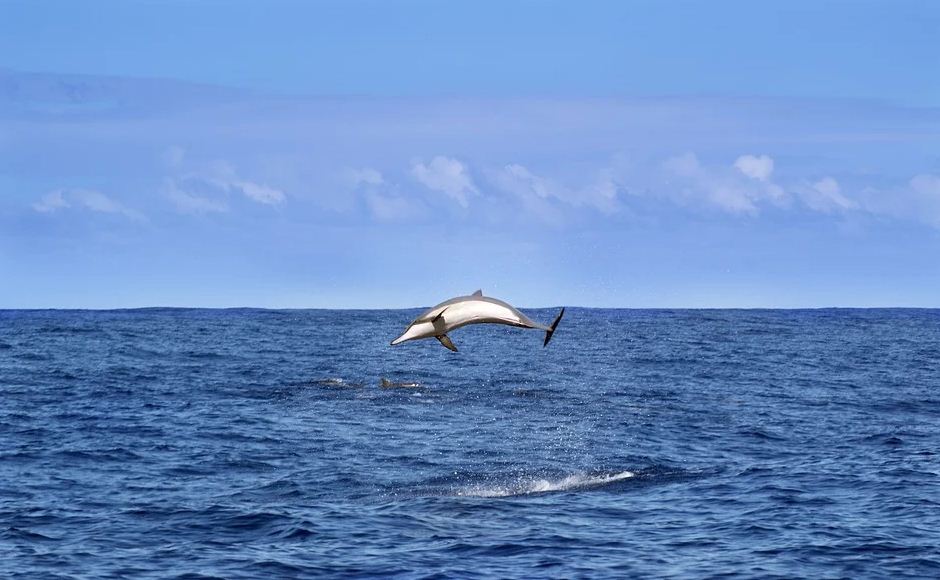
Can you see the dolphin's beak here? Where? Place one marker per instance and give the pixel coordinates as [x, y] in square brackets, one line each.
[407, 335]
[411, 333]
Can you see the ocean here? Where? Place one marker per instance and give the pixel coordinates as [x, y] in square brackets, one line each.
[188, 443]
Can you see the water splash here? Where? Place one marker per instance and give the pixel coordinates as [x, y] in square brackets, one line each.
[528, 486]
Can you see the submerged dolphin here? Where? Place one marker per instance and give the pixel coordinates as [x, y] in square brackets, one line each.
[464, 310]
[387, 384]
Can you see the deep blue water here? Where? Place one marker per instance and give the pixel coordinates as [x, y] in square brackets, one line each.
[257, 443]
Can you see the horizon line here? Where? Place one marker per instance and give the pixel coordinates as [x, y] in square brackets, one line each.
[352, 309]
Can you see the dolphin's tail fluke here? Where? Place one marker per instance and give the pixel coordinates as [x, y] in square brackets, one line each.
[551, 329]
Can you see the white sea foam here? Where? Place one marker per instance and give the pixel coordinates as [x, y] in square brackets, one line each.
[331, 381]
[525, 486]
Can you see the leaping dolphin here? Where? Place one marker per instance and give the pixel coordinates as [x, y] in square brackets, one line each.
[464, 310]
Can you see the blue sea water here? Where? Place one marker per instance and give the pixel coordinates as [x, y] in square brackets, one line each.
[640, 443]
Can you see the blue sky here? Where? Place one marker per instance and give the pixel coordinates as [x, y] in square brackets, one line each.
[392, 154]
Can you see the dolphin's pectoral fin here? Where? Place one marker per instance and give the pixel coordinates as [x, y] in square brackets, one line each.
[477, 293]
[445, 340]
[438, 322]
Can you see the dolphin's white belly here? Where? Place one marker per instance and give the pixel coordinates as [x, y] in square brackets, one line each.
[463, 313]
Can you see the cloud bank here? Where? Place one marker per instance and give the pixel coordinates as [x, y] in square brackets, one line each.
[596, 197]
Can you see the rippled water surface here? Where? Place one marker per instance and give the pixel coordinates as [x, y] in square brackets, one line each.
[257, 443]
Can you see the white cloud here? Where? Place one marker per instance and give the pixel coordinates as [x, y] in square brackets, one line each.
[544, 197]
[259, 192]
[96, 201]
[690, 183]
[363, 176]
[531, 190]
[732, 198]
[99, 202]
[825, 196]
[51, 202]
[383, 200]
[758, 168]
[519, 180]
[918, 200]
[448, 176]
[740, 190]
[685, 165]
[187, 202]
[205, 190]
[87, 199]
[603, 193]
[925, 190]
[748, 187]
[391, 207]
[223, 176]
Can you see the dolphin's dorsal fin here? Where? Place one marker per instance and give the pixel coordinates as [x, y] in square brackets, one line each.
[445, 340]
[477, 293]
